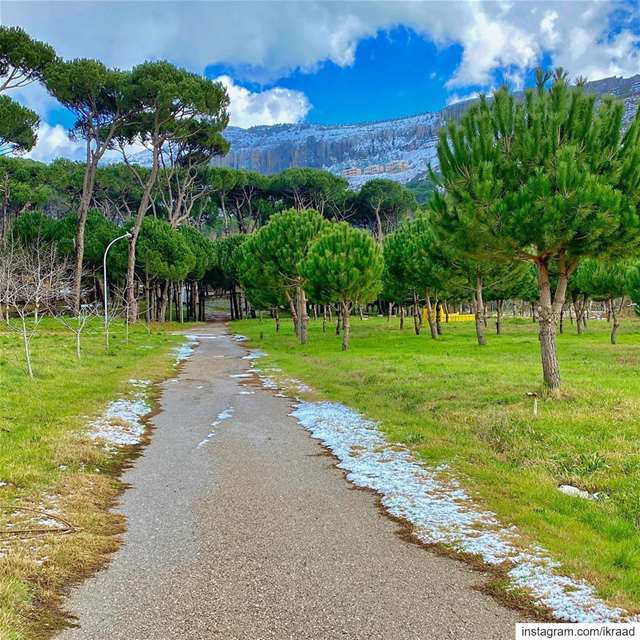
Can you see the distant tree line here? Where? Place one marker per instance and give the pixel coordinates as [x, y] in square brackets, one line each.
[535, 199]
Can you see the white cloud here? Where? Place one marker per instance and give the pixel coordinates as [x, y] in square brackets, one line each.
[267, 40]
[54, 142]
[272, 106]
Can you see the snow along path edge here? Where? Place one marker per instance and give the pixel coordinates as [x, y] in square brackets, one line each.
[440, 510]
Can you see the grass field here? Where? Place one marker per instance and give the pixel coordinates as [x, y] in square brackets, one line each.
[42, 458]
[455, 402]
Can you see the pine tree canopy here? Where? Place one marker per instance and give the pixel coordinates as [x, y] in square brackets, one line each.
[550, 175]
[344, 265]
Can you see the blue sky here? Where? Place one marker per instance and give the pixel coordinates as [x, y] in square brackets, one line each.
[394, 73]
[334, 62]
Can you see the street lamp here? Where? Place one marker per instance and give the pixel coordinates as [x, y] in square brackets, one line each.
[105, 286]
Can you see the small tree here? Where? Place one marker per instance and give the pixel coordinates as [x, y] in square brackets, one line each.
[77, 322]
[605, 280]
[283, 244]
[32, 279]
[344, 265]
[396, 287]
[262, 285]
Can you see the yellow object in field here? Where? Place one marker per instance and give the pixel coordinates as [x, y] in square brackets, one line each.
[453, 317]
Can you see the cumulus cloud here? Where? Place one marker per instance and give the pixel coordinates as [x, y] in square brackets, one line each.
[272, 106]
[54, 142]
[267, 40]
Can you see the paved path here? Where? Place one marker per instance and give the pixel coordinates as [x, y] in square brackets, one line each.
[254, 535]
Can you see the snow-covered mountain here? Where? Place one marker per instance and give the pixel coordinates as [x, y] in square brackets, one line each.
[396, 149]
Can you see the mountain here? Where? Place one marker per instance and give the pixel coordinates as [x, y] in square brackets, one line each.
[397, 149]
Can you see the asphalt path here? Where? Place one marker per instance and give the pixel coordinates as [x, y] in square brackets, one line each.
[246, 530]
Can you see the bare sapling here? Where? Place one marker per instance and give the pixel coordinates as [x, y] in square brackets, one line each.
[33, 280]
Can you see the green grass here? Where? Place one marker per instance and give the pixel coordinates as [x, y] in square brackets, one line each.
[455, 402]
[42, 454]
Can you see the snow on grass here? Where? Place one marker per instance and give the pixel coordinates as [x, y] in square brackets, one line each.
[254, 354]
[225, 414]
[186, 348]
[121, 423]
[440, 510]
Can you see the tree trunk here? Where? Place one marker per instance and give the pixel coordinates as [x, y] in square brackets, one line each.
[181, 290]
[548, 311]
[27, 347]
[324, 318]
[302, 315]
[402, 316]
[338, 317]
[294, 314]
[439, 317]
[147, 298]
[83, 209]
[499, 316]
[195, 296]
[616, 318]
[132, 304]
[162, 312]
[416, 314]
[346, 325]
[479, 312]
[432, 325]
[379, 233]
[446, 312]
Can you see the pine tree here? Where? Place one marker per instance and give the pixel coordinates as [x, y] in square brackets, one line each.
[549, 179]
[282, 245]
[345, 266]
[605, 280]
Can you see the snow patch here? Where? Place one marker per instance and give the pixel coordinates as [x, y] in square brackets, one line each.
[121, 423]
[440, 510]
[186, 349]
[254, 354]
[225, 414]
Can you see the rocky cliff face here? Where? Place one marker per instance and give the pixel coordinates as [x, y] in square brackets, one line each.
[396, 149]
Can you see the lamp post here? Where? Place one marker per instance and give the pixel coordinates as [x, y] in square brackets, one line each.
[105, 286]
